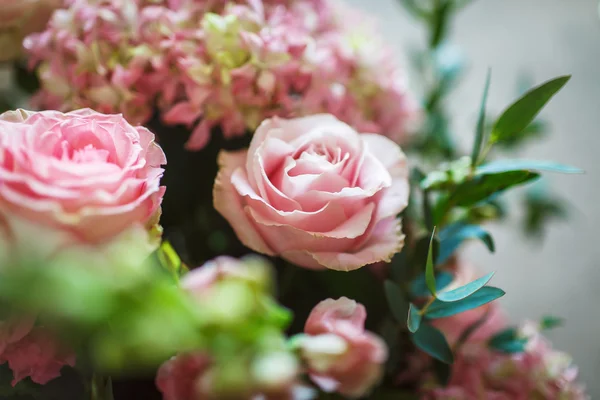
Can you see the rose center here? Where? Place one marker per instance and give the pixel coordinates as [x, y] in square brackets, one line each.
[85, 154]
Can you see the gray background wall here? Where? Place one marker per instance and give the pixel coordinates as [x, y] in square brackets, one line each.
[547, 38]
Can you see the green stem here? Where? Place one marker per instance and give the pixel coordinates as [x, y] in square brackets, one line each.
[101, 388]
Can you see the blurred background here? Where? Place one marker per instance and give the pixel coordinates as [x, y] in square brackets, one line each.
[545, 38]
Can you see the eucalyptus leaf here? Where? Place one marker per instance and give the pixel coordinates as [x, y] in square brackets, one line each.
[550, 322]
[418, 287]
[414, 7]
[465, 291]
[453, 235]
[484, 185]
[414, 318]
[396, 301]
[508, 341]
[442, 371]
[480, 129]
[522, 112]
[433, 342]
[422, 250]
[441, 309]
[502, 166]
[429, 267]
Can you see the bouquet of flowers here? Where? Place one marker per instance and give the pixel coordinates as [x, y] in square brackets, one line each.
[242, 199]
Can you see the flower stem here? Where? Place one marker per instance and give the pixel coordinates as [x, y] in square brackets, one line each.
[101, 388]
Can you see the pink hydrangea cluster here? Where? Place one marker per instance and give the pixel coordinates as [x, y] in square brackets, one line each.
[480, 372]
[229, 64]
[32, 351]
[540, 372]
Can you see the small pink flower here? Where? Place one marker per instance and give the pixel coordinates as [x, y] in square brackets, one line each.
[480, 372]
[31, 351]
[180, 377]
[38, 356]
[339, 354]
[14, 329]
[250, 269]
[315, 192]
[82, 175]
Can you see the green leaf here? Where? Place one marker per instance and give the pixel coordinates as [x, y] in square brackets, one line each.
[433, 342]
[483, 186]
[442, 371]
[415, 9]
[441, 309]
[453, 235]
[520, 114]
[439, 22]
[170, 261]
[414, 318]
[508, 341]
[421, 251]
[549, 322]
[501, 166]
[480, 129]
[418, 287]
[541, 206]
[465, 291]
[396, 301]
[429, 267]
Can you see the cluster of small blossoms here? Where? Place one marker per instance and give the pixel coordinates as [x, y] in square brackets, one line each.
[216, 63]
[540, 372]
[481, 372]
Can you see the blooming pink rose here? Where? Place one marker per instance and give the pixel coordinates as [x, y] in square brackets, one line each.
[453, 327]
[315, 192]
[82, 175]
[339, 354]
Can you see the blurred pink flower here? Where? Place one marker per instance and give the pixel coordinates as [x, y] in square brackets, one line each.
[81, 175]
[267, 373]
[340, 356]
[20, 18]
[315, 192]
[180, 377]
[479, 372]
[538, 373]
[31, 351]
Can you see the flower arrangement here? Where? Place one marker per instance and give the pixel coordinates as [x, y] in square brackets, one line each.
[242, 199]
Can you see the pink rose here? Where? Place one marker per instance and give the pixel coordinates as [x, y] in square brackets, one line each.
[340, 356]
[315, 192]
[82, 177]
